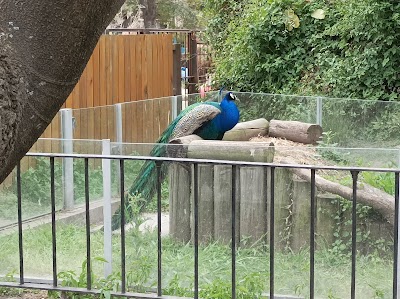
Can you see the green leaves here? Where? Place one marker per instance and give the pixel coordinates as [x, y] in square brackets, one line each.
[336, 48]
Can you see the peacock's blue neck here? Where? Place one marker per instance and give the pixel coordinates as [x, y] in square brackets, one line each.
[229, 115]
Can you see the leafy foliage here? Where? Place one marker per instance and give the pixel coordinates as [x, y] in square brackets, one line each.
[341, 49]
[350, 52]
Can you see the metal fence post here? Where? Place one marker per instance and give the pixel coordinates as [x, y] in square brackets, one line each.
[176, 73]
[175, 112]
[68, 163]
[398, 158]
[118, 134]
[106, 168]
[319, 111]
[192, 64]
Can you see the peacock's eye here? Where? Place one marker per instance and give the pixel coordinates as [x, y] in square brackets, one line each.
[232, 96]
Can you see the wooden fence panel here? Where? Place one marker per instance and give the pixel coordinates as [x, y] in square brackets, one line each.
[125, 68]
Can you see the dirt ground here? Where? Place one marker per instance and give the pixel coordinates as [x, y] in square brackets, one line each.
[24, 295]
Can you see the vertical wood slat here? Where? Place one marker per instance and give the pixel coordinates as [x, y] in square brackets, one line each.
[103, 124]
[103, 75]
[90, 129]
[127, 66]
[97, 85]
[81, 96]
[113, 81]
[90, 80]
[76, 113]
[130, 117]
[110, 123]
[121, 97]
[126, 132]
[139, 117]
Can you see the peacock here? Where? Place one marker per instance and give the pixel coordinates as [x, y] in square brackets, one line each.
[209, 120]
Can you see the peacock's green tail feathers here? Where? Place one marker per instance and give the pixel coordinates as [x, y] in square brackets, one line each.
[144, 187]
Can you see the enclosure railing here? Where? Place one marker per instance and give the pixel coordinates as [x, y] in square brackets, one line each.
[236, 168]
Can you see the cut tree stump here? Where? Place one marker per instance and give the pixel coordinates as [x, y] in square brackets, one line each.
[327, 209]
[295, 131]
[253, 205]
[205, 204]
[179, 202]
[223, 204]
[283, 193]
[301, 214]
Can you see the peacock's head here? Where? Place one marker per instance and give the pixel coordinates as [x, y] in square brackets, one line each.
[230, 96]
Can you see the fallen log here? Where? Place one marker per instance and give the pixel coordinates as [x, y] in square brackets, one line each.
[295, 131]
[231, 150]
[366, 194]
[245, 130]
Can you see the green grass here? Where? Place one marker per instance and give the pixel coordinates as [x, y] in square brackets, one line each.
[332, 276]
[35, 185]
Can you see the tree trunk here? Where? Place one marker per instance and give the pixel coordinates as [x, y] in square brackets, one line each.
[148, 8]
[45, 46]
[295, 131]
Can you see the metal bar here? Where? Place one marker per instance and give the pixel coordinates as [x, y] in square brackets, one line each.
[233, 221]
[312, 235]
[53, 221]
[107, 214]
[67, 134]
[214, 162]
[21, 250]
[150, 30]
[396, 237]
[87, 217]
[118, 122]
[118, 133]
[174, 107]
[272, 235]
[159, 244]
[354, 175]
[192, 67]
[196, 229]
[176, 75]
[123, 254]
[319, 111]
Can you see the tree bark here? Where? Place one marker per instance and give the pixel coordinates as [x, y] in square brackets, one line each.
[148, 8]
[295, 131]
[366, 194]
[45, 46]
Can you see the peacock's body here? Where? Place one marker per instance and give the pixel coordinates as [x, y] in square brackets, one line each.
[209, 120]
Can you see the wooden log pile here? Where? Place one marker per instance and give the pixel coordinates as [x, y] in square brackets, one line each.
[291, 130]
[253, 189]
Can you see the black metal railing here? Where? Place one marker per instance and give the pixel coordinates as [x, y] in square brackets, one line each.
[55, 286]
